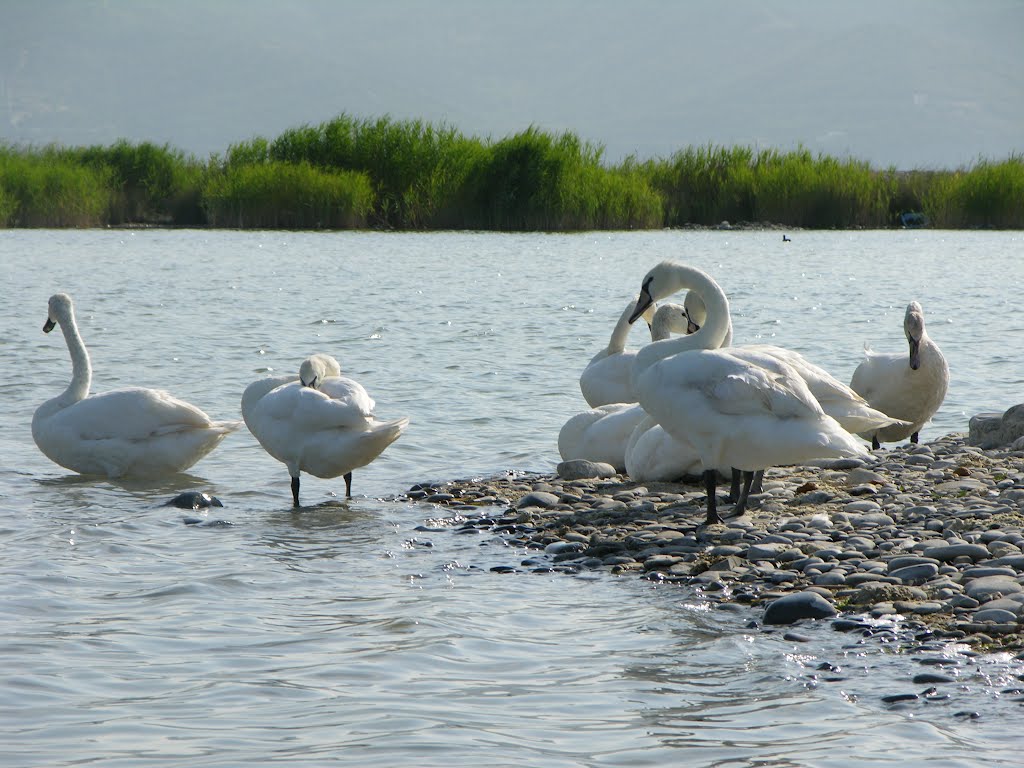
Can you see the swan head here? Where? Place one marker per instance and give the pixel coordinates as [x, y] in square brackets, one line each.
[913, 326]
[668, 319]
[316, 368]
[667, 278]
[58, 309]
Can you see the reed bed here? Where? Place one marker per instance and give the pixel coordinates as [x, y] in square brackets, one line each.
[408, 174]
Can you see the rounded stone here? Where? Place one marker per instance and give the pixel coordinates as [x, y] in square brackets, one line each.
[798, 605]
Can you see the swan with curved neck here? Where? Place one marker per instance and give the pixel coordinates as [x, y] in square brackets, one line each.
[910, 386]
[606, 379]
[124, 433]
[734, 413]
[602, 433]
[318, 422]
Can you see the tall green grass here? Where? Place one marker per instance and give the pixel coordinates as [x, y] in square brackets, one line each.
[274, 195]
[40, 189]
[407, 174]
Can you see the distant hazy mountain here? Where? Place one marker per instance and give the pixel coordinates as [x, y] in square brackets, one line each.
[917, 83]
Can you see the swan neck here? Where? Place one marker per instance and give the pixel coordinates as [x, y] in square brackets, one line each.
[81, 367]
[712, 335]
[617, 342]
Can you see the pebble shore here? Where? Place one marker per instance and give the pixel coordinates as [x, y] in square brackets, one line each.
[931, 535]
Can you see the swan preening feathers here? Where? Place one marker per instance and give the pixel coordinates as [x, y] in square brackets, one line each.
[319, 422]
[124, 433]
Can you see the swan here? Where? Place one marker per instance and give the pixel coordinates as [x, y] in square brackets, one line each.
[732, 412]
[909, 386]
[602, 433]
[319, 423]
[124, 433]
[317, 366]
[606, 379]
[837, 399]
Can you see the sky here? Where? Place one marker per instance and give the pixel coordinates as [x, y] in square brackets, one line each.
[914, 84]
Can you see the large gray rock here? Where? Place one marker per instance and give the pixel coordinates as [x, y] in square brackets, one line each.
[581, 469]
[798, 605]
[995, 430]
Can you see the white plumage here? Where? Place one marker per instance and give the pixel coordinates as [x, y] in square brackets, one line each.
[326, 428]
[734, 413]
[123, 433]
[607, 377]
[603, 432]
[907, 385]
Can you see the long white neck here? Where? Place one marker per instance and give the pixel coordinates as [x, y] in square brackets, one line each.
[81, 368]
[617, 342]
[717, 324]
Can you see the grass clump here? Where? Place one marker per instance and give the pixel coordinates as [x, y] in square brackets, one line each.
[275, 195]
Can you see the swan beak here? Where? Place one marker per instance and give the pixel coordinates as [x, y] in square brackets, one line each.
[691, 327]
[642, 304]
[311, 384]
[915, 354]
[49, 325]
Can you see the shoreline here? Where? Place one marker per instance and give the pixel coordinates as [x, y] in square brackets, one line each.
[929, 535]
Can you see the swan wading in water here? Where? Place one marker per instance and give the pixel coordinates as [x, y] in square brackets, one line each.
[732, 412]
[910, 386]
[124, 433]
[602, 433]
[607, 377]
[320, 423]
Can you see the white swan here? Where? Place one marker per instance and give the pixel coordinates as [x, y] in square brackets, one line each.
[838, 400]
[606, 379]
[325, 427]
[732, 412]
[651, 454]
[316, 367]
[908, 386]
[124, 433]
[602, 433]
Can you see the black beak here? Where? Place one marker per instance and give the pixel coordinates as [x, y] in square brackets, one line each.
[49, 325]
[915, 354]
[691, 327]
[642, 303]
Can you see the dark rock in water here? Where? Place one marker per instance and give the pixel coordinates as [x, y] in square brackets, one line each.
[799, 605]
[927, 678]
[895, 699]
[194, 500]
[202, 523]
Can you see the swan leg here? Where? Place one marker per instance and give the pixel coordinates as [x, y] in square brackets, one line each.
[875, 445]
[741, 502]
[734, 487]
[711, 485]
[757, 482]
[914, 437]
[295, 490]
[348, 485]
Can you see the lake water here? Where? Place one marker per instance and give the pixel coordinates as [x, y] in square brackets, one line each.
[342, 635]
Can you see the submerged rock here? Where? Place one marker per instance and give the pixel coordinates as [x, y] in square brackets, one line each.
[798, 605]
[194, 500]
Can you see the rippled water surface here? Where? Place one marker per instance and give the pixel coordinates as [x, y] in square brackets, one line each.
[350, 633]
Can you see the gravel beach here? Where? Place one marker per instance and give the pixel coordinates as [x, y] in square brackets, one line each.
[930, 536]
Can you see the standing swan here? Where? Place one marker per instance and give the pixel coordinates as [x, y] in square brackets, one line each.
[908, 386]
[734, 413]
[131, 432]
[322, 423]
[606, 379]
